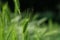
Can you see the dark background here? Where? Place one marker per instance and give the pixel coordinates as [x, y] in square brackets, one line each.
[41, 6]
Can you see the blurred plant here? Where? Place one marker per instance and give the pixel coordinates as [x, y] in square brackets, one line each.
[18, 27]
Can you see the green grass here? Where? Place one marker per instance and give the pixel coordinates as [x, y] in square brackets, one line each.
[15, 27]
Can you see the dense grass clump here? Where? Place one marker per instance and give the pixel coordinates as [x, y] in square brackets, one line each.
[14, 26]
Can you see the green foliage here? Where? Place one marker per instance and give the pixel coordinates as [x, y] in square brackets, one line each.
[16, 27]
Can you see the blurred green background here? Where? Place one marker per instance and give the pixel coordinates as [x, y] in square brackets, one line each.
[25, 26]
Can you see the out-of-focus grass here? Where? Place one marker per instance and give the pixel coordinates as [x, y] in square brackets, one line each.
[27, 27]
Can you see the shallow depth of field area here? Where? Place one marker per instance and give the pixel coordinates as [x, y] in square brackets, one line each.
[15, 26]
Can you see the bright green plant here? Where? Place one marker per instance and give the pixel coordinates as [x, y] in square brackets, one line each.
[16, 27]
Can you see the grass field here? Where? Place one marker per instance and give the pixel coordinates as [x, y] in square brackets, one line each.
[15, 27]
